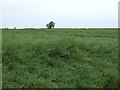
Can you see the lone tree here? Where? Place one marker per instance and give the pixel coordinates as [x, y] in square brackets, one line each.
[50, 25]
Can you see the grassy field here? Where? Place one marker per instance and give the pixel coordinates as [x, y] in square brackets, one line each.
[60, 58]
[0, 59]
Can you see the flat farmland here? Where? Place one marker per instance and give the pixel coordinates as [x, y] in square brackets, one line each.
[60, 58]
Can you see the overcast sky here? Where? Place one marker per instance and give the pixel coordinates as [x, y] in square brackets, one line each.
[65, 13]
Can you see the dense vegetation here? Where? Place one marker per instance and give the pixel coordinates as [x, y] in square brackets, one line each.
[69, 58]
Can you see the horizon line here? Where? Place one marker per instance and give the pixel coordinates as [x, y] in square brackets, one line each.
[54, 27]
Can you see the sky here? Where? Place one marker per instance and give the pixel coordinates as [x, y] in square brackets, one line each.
[65, 13]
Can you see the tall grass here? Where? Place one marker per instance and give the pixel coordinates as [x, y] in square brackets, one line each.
[60, 59]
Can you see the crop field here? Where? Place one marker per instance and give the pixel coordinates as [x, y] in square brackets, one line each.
[60, 58]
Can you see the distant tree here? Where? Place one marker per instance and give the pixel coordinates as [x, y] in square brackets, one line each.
[50, 25]
[6, 27]
[47, 25]
[14, 27]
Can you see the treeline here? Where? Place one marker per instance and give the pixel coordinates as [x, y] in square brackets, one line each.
[60, 28]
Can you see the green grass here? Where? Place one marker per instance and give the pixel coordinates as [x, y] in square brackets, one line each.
[60, 58]
[0, 59]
